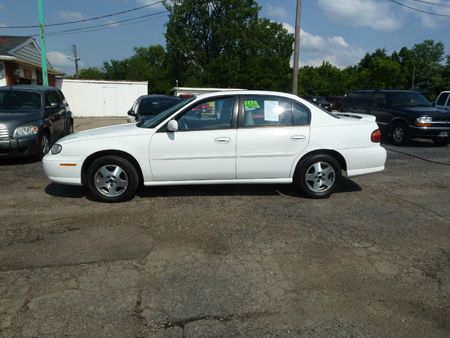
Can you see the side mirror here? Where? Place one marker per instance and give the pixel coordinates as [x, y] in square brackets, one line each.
[131, 112]
[172, 125]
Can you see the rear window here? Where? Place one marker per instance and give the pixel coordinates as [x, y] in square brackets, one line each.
[442, 99]
[17, 99]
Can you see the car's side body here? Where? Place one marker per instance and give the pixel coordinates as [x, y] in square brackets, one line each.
[267, 154]
[47, 113]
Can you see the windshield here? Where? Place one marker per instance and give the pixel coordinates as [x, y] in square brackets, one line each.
[409, 99]
[17, 99]
[153, 122]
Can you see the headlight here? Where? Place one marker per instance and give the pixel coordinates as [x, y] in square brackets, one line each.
[25, 131]
[56, 149]
[424, 121]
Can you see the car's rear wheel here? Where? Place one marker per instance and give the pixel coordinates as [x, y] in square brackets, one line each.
[112, 179]
[399, 134]
[318, 176]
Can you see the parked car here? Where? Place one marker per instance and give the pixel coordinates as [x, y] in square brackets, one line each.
[148, 106]
[401, 114]
[442, 101]
[335, 102]
[32, 118]
[319, 101]
[249, 137]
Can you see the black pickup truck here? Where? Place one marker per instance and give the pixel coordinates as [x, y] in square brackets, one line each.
[401, 114]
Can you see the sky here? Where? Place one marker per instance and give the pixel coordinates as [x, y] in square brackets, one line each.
[337, 31]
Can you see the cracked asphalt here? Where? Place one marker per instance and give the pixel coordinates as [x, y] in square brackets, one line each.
[373, 260]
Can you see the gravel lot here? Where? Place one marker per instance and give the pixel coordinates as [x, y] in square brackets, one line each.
[212, 261]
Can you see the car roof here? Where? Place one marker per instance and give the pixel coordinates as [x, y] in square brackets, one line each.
[34, 88]
[246, 92]
[384, 91]
[157, 96]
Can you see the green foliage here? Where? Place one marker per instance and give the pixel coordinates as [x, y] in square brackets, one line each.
[224, 43]
[91, 73]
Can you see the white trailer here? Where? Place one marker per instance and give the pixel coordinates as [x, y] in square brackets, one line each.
[93, 98]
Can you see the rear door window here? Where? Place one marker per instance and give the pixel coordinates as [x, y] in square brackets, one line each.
[266, 111]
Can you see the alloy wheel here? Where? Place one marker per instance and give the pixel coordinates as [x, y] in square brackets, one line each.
[320, 177]
[111, 180]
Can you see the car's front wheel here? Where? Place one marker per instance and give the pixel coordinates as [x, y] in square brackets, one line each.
[399, 134]
[112, 179]
[318, 176]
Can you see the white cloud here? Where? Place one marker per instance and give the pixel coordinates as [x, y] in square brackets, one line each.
[289, 28]
[149, 2]
[70, 16]
[371, 13]
[61, 61]
[276, 11]
[315, 49]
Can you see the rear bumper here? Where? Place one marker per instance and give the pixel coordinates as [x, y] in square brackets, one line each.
[21, 147]
[362, 161]
[64, 170]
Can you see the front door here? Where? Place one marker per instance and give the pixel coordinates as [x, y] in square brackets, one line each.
[272, 132]
[203, 148]
[54, 113]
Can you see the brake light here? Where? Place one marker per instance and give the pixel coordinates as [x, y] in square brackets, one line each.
[376, 136]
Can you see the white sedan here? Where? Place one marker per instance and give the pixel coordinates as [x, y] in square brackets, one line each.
[222, 138]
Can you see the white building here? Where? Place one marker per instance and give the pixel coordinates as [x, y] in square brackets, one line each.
[95, 98]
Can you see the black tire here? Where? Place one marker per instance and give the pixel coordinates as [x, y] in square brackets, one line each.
[317, 184]
[70, 129]
[399, 134]
[44, 146]
[106, 184]
[441, 141]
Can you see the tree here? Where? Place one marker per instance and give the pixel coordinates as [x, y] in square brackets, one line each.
[147, 64]
[91, 73]
[224, 43]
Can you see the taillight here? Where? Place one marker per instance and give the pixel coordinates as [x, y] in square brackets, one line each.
[376, 136]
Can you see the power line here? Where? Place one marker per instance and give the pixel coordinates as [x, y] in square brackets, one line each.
[432, 3]
[85, 20]
[419, 10]
[105, 26]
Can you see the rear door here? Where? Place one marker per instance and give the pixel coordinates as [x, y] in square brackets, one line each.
[272, 131]
[380, 109]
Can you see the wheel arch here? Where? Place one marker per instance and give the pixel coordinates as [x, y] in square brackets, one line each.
[398, 120]
[333, 153]
[91, 158]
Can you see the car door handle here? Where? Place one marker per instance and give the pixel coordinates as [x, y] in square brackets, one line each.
[222, 140]
[297, 138]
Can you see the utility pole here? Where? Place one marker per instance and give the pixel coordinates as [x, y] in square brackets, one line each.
[76, 59]
[296, 48]
[42, 42]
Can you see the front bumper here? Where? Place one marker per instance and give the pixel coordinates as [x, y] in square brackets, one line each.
[428, 132]
[28, 146]
[63, 169]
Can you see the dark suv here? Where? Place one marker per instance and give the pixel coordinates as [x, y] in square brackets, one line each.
[32, 118]
[401, 114]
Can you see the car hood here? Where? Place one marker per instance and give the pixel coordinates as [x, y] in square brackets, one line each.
[121, 130]
[428, 111]
[19, 118]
